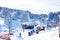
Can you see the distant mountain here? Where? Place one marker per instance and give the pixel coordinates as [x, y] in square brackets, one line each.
[25, 15]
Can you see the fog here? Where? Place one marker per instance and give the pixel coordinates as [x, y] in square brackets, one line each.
[35, 6]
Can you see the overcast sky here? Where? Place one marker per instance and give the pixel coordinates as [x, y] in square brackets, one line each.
[35, 6]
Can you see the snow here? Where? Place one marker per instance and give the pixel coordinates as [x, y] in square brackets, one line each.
[1, 21]
[43, 35]
[13, 37]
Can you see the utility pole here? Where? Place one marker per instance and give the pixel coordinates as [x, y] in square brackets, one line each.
[59, 25]
[9, 21]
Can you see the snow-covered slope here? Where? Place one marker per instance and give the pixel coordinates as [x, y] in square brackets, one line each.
[43, 35]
